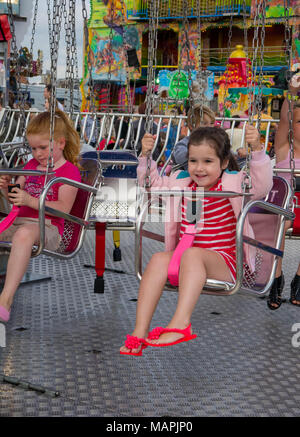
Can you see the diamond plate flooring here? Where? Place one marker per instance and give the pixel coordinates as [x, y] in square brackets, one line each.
[66, 339]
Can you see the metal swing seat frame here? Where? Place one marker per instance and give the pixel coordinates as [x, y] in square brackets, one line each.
[275, 206]
[77, 221]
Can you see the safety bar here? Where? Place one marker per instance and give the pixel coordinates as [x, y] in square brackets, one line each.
[224, 288]
[42, 209]
[105, 162]
[289, 215]
[196, 193]
[296, 171]
[20, 172]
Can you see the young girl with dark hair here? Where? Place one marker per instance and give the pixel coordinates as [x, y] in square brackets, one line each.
[212, 167]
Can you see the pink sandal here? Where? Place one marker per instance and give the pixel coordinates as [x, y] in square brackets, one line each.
[132, 342]
[157, 332]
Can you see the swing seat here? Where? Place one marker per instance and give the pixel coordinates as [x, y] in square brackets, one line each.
[294, 232]
[77, 221]
[296, 222]
[267, 220]
[116, 200]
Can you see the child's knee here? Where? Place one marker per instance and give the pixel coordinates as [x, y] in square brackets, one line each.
[159, 259]
[192, 255]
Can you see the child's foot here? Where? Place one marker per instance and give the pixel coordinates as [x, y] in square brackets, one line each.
[133, 345]
[275, 300]
[295, 291]
[5, 303]
[170, 335]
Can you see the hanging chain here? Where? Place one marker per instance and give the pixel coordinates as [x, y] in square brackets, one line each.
[152, 51]
[68, 49]
[54, 45]
[129, 94]
[33, 34]
[258, 23]
[246, 48]
[91, 84]
[70, 35]
[88, 52]
[261, 51]
[127, 69]
[226, 93]
[189, 63]
[111, 12]
[255, 47]
[288, 45]
[199, 76]
[16, 63]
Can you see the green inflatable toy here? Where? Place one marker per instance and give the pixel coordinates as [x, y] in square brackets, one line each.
[179, 86]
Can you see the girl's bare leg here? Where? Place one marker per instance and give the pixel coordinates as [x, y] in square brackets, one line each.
[151, 288]
[22, 242]
[197, 265]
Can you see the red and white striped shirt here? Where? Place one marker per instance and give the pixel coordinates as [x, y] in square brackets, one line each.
[217, 226]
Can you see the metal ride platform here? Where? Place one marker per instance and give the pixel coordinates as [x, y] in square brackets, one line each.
[63, 341]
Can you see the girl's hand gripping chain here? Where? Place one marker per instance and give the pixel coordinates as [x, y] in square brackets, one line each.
[295, 84]
[148, 142]
[252, 138]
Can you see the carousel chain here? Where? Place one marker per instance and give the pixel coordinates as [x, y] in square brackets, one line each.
[260, 76]
[88, 51]
[226, 94]
[125, 47]
[189, 63]
[199, 59]
[152, 46]
[255, 48]
[74, 60]
[288, 45]
[259, 23]
[129, 94]
[246, 48]
[72, 50]
[33, 32]
[91, 84]
[54, 45]
[16, 61]
[246, 183]
[110, 51]
[68, 43]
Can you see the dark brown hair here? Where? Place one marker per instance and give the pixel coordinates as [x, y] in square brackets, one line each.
[219, 140]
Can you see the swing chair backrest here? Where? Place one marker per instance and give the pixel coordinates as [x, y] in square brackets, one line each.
[116, 200]
[268, 230]
[89, 169]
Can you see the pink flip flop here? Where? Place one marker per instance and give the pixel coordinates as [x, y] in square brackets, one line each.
[157, 332]
[132, 342]
[4, 314]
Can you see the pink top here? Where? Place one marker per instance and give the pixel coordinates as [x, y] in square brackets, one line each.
[286, 164]
[262, 182]
[35, 184]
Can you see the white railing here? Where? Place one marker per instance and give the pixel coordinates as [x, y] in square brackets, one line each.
[118, 130]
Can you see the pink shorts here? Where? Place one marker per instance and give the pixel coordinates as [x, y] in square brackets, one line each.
[52, 236]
